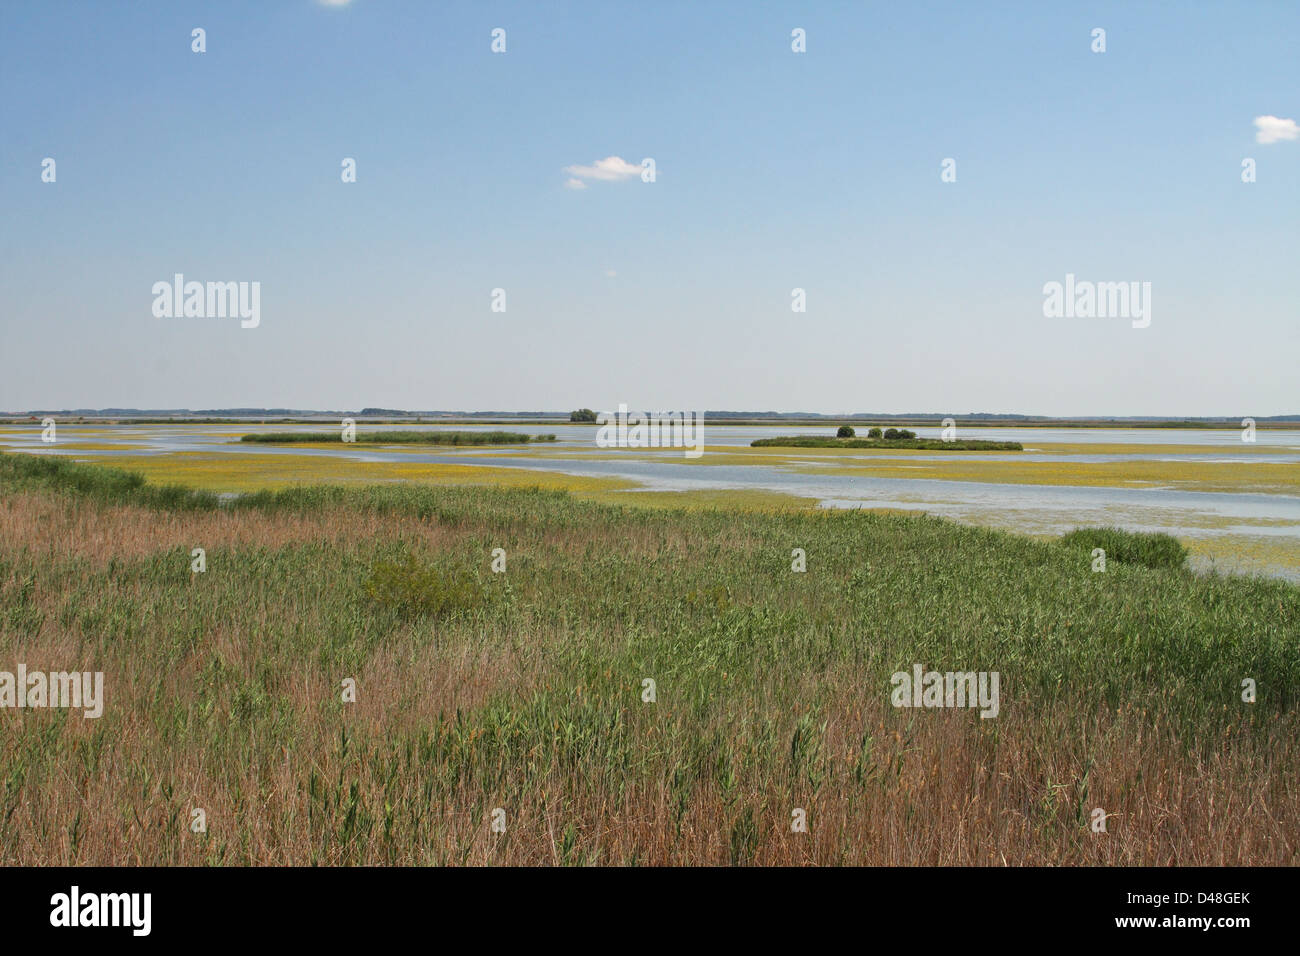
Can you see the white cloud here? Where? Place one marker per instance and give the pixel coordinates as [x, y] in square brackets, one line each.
[335, 3]
[576, 184]
[1271, 129]
[611, 169]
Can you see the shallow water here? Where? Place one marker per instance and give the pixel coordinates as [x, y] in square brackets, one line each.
[1263, 529]
[194, 437]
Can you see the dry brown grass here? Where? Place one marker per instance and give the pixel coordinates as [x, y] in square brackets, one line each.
[956, 801]
[243, 720]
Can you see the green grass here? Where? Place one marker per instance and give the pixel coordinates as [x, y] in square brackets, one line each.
[913, 444]
[399, 438]
[416, 590]
[99, 484]
[521, 689]
[1150, 550]
[889, 588]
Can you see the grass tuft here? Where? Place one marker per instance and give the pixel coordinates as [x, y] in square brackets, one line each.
[1149, 549]
[416, 590]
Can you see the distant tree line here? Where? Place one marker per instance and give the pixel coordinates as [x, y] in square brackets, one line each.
[889, 434]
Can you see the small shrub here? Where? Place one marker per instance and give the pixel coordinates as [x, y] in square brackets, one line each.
[898, 434]
[874, 433]
[716, 598]
[845, 431]
[1149, 549]
[416, 590]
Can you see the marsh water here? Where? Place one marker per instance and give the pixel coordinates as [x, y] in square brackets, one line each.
[1263, 529]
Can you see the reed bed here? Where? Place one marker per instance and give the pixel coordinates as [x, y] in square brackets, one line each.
[523, 690]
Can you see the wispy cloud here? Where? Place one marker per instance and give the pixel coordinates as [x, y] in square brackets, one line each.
[1272, 129]
[611, 169]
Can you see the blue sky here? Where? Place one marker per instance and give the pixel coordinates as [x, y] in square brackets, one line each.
[775, 170]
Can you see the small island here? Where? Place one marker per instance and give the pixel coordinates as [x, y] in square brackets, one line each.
[890, 439]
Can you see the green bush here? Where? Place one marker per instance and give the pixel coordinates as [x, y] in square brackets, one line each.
[582, 415]
[874, 433]
[897, 444]
[845, 431]
[1149, 549]
[416, 590]
[896, 434]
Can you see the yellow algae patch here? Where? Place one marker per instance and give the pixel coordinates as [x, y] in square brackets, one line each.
[1120, 448]
[68, 440]
[1197, 520]
[252, 472]
[1230, 477]
[235, 473]
[1241, 553]
[92, 446]
[730, 499]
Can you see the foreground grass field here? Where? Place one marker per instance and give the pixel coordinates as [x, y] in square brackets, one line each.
[523, 690]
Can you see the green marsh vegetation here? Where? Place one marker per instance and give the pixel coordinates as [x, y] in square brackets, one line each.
[523, 690]
[417, 590]
[399, 438]
[1151, 550]
[890, 438]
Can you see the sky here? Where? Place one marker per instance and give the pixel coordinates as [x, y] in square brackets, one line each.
[774, 170]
